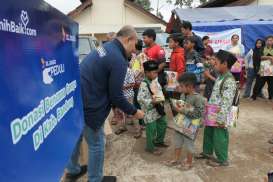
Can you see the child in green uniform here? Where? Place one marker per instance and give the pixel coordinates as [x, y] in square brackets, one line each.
[192, 109]
[155, 121]
[216, 139]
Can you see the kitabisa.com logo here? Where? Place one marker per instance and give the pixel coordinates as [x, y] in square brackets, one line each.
[18, 27]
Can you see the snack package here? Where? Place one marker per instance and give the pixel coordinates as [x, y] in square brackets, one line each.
[157, 91]
[171, 80]
[177, 103]
[238, 66]
[186, 126]
[233, 116]
[266, 68]
[211, 111]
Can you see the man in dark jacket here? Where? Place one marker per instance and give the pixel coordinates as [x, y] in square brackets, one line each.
[102, 75]
[186, 30]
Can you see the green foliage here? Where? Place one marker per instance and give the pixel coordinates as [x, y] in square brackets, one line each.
[146, 4]
[184, 3]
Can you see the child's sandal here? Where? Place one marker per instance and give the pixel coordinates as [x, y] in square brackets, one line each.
[113, 122]
[138, 135]
[215, 163]
[155, 152]
[120, 131]
[171, 163]
[185, 166]
[270, 141]
[203, 156]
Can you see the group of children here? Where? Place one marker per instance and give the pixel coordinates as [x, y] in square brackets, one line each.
[216, 139]
[144, 85]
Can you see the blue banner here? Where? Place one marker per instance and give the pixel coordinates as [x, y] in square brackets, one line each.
[41, 109]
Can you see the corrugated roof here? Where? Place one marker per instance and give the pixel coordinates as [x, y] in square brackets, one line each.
[252, 13]
[220, 3]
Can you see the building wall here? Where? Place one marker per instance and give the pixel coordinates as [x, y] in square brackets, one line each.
[133, 16]
[109, 16]
[107, 12]
[84, 19]
[262, 2]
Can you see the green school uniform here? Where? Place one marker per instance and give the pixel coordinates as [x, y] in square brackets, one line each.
[156, 124]
[217, 139]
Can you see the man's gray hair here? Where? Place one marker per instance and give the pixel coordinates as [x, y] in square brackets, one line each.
[126, 31]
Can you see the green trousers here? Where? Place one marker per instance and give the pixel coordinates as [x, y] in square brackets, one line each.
[155, 133]
[216, 140]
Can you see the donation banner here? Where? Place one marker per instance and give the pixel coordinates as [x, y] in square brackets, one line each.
[220, 40]
[41, 109]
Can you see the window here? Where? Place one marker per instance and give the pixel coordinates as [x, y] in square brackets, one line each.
[84, 46]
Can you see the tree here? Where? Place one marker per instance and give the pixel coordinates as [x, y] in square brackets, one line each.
[185, 3]
[146, 4]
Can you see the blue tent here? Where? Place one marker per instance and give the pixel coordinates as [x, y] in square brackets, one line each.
[254, 21]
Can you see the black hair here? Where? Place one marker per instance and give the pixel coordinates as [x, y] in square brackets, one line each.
[150, 33]
[151, 65]
[188, 79]
[178, 38]
[205, 38]
[269, 37]
[190, 39]
[257, 54]
[263, 43]
[235, 35]
[139, 45]
[226, 57]
[187, 25]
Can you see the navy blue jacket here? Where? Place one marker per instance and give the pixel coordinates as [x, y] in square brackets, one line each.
[102, 75]
[199, 47]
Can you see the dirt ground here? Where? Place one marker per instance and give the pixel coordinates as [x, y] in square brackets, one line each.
[249, 157]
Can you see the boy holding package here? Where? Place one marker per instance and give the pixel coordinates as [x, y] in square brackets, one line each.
[192, 110]
[151, 102]
[216, 139]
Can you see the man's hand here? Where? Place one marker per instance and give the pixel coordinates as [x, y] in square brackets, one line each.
[139, 114]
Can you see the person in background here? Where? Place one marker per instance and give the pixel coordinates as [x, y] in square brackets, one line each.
[153, 51]
[208, 52]
[137, 66]
[249, 65]
[210, 76]
[177, 62]
[110, 36]
[193, 59]
[194, 111]
[156, 123]
[266, 55]
[129, 84]
[186, 30]
[216, 139]
[102, 77]
[237, 50]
